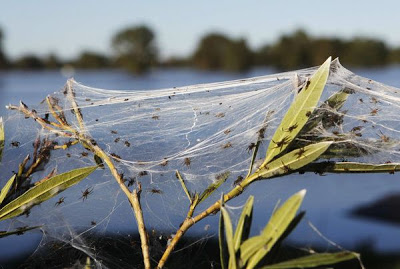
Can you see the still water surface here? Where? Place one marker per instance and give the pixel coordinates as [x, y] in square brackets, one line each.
[329, 199]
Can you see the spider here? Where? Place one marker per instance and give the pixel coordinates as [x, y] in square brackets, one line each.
[383, 137]
[15, 144]
[60, 201]
[127, 144]
[291, 128]
[155, 191]
[164, 162]
[114, 132]
[227, 131]
[116, 157]
[131, 181]
[308, 113]
[251, 147]
[186, 161]
[355, 129]
[93, 223]
[143, 173]
[281, 143]
[238, 180]
[307, 84]
[84, 154]
[155, 117]
[86, 193]
[300, 153]
[374, 111]
[286, 168]
[227, 145]
[117, 140]
[220, 115]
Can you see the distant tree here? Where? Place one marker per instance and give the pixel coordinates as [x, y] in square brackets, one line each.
[52, 62]
[216, 51]
[292, 51]
[4, 63]
[322, 48]
[394, 56]
[29, 62]
[135, 49]
[91, 60]
[365, 52]
[262, 56]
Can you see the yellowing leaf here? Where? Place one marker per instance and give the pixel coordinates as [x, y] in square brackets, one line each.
[299, 112]
[44, 191]
[6, 188]
[314, 260]
[253, 251]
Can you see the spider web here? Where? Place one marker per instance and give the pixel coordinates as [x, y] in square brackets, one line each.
[202, 131]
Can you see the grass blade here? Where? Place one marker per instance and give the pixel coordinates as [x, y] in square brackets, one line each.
[1, 137]
[252, 251]
[6, 188]
[221, 239]
[178, 175]
[314, 260]
[44, 191]
[221, 178]
[229, 238]
[299, 112]
[244, 223]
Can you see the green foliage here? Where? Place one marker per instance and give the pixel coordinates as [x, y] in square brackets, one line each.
[44, 191]
[91, 60]
[29, 62]
[250, 252]
[217, 51]
[135, 49]
[299, 112]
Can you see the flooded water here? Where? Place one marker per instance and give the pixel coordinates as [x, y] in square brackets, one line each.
[329, 199]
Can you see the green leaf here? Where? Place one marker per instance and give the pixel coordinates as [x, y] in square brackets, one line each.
[327, 110]
[1, 137]
[6, 188]
[314, 260]
[244, 223]
[290, 161]
[253, 251]
[178, 175]
[221, 238]
[351, 167]
[299, 112]
[229, 237]
[18, 231]
[44, 191]
[221, 178]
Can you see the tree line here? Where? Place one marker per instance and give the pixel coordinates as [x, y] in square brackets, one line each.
[135, 49]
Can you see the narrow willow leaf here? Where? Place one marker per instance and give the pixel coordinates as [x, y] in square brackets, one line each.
[88, 263]
[98, 161]
[1, 137]
[299, 112]
[253, 251]
[18, 231]
[244, 223]
[44, 191]
[6, 188]
[229, 238]
[351, 167]
[221, 239]
[221, 178]
[329, 107]
[290, 162]
[178, 175]
[314, 260]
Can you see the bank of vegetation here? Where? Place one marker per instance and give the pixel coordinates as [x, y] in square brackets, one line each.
[135, 49]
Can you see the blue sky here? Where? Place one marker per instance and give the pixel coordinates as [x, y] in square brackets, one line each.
[68, 27]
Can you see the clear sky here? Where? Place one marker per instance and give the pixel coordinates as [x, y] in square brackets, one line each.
[68, 27]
